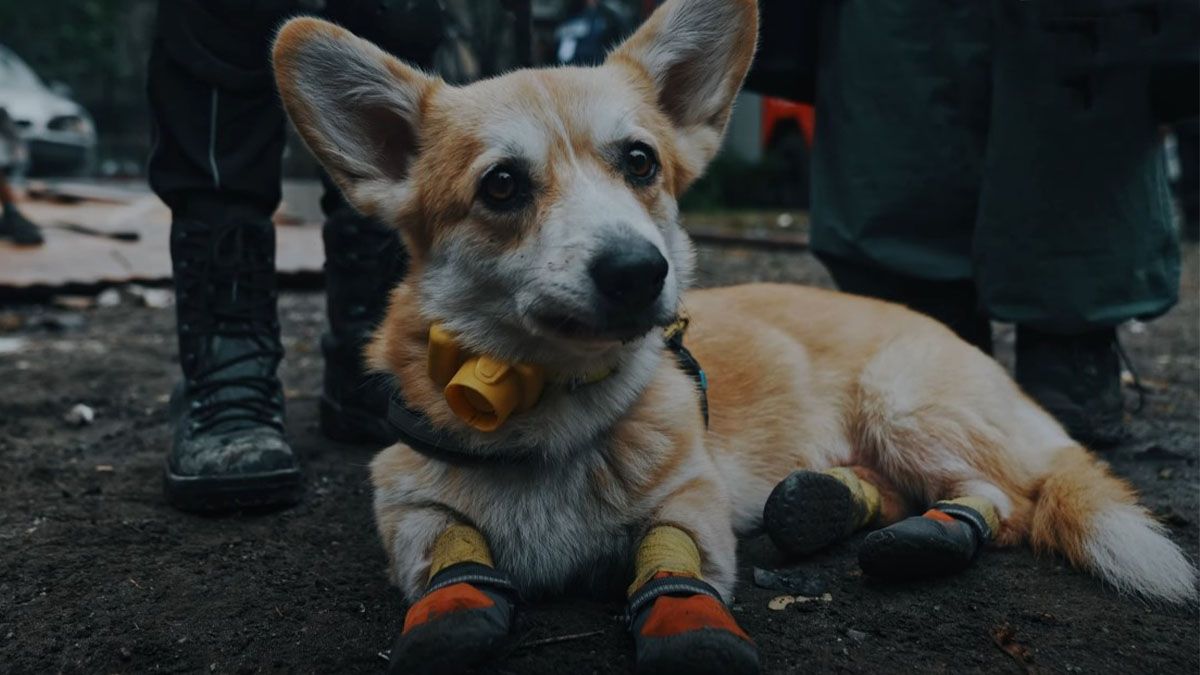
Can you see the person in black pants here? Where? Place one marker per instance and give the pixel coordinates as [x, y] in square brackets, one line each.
[216, 162]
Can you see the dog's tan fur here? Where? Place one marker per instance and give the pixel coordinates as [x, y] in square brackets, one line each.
[801, 378]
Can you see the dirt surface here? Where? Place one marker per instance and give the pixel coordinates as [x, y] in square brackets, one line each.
[97, 574]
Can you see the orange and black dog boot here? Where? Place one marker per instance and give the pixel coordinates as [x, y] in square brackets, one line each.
[463, 621]
[943, 541]
[680, 625]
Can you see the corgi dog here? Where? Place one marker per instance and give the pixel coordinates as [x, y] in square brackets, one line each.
[558, 436]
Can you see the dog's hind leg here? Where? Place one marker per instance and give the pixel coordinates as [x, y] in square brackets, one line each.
[810, 510]
[954, 434]
[945, 539]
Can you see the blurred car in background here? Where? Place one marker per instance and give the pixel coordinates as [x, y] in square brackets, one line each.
[59, 133]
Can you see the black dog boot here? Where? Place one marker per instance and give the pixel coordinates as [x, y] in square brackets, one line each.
[364, 260]
[18, 229]
[229, 450]
[943, 541]
[810, 510]
[1077, 378]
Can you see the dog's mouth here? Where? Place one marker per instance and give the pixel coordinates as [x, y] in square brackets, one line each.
[584, 330]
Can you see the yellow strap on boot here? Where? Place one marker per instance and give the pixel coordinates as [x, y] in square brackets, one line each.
[865, 495]
[981, 505]
[456, 544]
[665, 548]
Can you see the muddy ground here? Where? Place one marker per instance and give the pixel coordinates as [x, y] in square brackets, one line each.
[97, 574]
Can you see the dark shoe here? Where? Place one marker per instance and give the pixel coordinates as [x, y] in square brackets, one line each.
[15, 227]
[681, 625]
[808, 511]
[1077, 378]
[364, 261]
[944, 541]
[464, 620]
[229, 450]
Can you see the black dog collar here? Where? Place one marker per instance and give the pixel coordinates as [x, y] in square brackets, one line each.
[414, 430]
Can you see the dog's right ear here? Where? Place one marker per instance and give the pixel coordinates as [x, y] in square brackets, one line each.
[357, 108]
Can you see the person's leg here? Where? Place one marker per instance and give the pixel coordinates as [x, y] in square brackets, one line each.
[901, 121]
[1074, 234]
[14, 226]
[216, 163]
[364, 258]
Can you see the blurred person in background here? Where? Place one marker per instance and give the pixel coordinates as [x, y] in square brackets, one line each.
[998, 160]
[586, 36]
[216, 162]
[14, 226]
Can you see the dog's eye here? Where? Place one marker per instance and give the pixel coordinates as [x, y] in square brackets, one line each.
[500, 185]
[640, 163]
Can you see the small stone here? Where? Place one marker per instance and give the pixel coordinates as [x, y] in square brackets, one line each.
[1166, 474]
[81, 415]
[795, 581]
[104, 468]
[109, 297]
[125, 653]
[12, 345]
[780, 603]
[856, 636]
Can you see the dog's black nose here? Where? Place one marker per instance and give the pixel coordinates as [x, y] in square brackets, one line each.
[630, 275]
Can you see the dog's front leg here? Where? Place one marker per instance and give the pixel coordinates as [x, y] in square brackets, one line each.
[466, 611]
[684, 566]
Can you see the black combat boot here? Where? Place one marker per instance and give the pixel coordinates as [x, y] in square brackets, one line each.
[364, 260]
[229, 450]
[18, 229]
[1077, 378]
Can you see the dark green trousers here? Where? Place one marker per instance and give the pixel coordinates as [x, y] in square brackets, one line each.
[1005, 144]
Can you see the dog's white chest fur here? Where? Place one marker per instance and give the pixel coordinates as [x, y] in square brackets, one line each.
[548, 525]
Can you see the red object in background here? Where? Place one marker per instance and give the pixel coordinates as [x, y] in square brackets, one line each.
[778, 110]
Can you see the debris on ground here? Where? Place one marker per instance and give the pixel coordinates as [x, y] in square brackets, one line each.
[10, 321]
[1157, 453]
[856, 636]
[559, 638]
[780, 603]
[793, 580]
[12, 345]
[154, 298]
[76, 303]
[1005, 637]
[109, 297]
[58, 321]
[81, 415]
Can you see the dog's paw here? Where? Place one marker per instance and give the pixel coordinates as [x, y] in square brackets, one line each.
[680, 625]
[463, 621]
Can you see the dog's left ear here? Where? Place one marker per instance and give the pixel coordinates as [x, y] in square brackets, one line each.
[357, 108]
[696, 53]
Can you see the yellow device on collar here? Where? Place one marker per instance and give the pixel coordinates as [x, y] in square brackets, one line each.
[481, 391]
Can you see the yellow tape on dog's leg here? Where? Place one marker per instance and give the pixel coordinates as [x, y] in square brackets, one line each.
[458, 543]
[665, 549]
[865, 495]
[983, 506]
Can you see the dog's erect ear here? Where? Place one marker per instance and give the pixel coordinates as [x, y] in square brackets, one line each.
[697, 53]
[356, 107]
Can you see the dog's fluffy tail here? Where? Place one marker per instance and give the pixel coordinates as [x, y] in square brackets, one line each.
[1092, 518]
